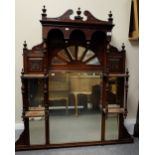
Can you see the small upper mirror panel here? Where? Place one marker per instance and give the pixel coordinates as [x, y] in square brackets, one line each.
[35, 93]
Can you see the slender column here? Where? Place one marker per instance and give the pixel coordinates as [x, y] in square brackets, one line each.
[105, 103]
[46, 109]
[121, 119]
[121, 124]
[106, 90]
[126, 93]
[103, 106]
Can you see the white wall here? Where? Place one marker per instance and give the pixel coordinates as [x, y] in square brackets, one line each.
[28, 14]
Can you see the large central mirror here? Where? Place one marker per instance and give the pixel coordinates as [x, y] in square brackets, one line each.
[75, 106]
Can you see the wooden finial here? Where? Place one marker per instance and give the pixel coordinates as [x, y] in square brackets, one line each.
[123, 47]
[25, 45]
[127, 73]
[108, 48]
[110, 16]
[44, 12]
[126, 93]
[78, 12]
[22, 72]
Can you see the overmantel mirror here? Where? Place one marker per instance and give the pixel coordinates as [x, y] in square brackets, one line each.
[74, 85]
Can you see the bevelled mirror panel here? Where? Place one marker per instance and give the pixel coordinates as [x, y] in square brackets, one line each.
[75, 107]
[37, 130]
[112, 127]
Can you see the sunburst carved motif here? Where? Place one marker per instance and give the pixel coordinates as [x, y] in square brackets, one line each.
[74, 55]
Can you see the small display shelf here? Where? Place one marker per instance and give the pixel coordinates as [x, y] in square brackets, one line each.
[36, 108]
[116, 75]
[35, 113]
[33, 76]
[114, 110]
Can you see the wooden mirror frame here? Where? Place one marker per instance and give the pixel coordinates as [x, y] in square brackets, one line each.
[37, 65]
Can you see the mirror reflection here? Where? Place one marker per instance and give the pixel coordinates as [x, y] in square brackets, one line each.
[113, 94]
[112, 127]
[37, 130]
[75, 53]
[74, 107]
[116, 93]
[35, 93]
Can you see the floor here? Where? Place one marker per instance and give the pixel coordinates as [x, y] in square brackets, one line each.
[118, 149]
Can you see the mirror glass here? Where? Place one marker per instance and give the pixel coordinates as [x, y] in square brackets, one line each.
[37, 130]
[93, 61]
[116, 92]
[81, 51]
[77, 54]
[72, 51]
[88, 55]
[113, 93]
[56, 61]
[112, 127]
[75, 107]
[35, 93]
[63, 55]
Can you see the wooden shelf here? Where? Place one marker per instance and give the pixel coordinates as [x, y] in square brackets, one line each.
[114, 110]
[33, 76]
[35, 113]
[115, 75]
[37, 108]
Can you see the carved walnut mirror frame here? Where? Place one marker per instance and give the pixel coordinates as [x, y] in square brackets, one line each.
[59, 34]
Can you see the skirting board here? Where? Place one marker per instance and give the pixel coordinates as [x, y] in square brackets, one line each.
[129, 124]
[19, 127]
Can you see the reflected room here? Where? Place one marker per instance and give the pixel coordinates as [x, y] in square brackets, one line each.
[75, 107]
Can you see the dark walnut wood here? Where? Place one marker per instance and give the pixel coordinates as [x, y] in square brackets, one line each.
[52, 54]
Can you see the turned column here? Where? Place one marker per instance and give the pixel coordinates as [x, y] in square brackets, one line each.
[46, 108]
